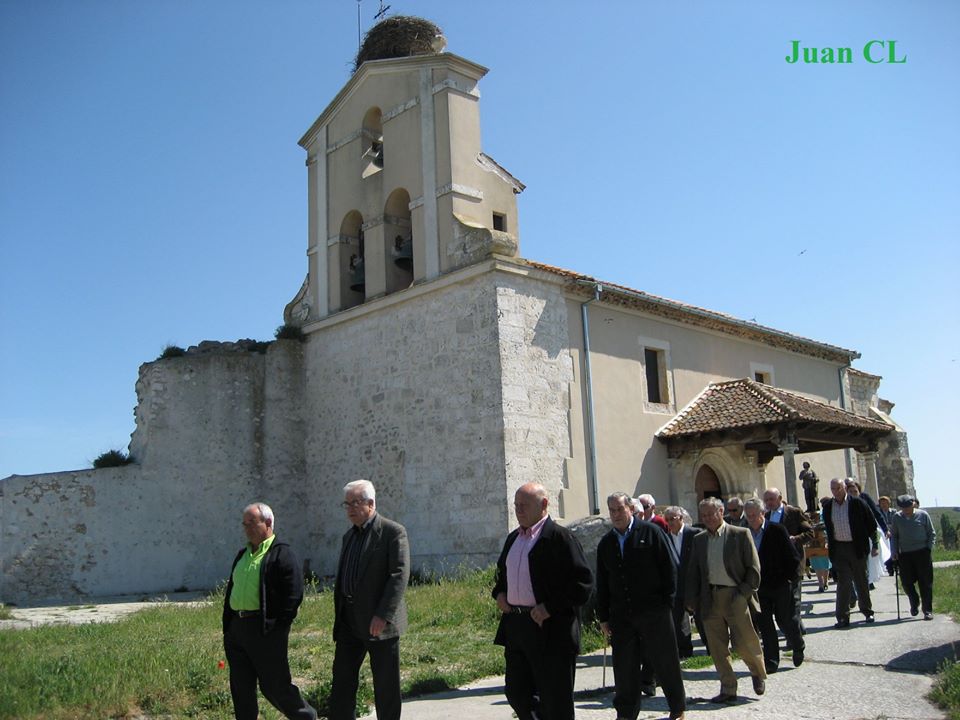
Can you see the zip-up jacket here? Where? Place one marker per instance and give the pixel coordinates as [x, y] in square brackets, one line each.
[281, 588]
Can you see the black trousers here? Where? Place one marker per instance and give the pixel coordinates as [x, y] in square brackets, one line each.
[646, 637]
[681, 624]
[851, 573]
[255, 657]
[533, 670]
[777, 603]
[916, 569]
[384, 665]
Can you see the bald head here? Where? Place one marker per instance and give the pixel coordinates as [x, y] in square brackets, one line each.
[530, 504]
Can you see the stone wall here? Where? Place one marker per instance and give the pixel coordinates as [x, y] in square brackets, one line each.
[215, 430]
[407, 395]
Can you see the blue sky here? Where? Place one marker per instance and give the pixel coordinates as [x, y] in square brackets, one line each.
[152, 190]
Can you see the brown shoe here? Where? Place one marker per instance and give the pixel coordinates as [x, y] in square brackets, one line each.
[724, 698]
[759, 686]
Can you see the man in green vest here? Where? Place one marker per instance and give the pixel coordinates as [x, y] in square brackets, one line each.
[263, 594]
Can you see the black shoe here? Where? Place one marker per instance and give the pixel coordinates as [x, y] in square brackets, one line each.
[871, 586]
[914, 610]
[797, 658]
[759, 686]
[928, 616]
[771, 667]
[853, 603]
[724, 698]
[648, 690]
[845, 623]
[870, 618]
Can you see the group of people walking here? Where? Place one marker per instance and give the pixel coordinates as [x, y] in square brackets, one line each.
[736, 576]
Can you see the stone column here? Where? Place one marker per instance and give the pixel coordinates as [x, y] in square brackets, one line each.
[789, 448]
[872, 484]
[673, 479]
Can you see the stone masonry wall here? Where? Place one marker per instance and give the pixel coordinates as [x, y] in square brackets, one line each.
[214, 431]
[408, 396]
[537, 370]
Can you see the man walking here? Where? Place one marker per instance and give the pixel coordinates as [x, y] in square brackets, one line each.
[636, 583]
[722, 584]
[851, 531]
[263, 594]
[801, 532]
[779, 562]
[542, 580]
[911, 542]
[680, 542]
[370, 613]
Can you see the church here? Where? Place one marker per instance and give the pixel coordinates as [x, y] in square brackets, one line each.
[433, 359]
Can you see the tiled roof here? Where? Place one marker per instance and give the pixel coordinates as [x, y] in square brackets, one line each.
[744, 403]
[693, 315]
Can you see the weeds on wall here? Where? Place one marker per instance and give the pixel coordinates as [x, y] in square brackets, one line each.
[172, 351]
[289, 332]
[112, 458]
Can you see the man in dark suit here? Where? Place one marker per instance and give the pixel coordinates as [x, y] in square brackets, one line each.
[680, 542]
[779, 562]
[370, 613]
[636, 583]
[801, 532]
[721, 586]
[263, 594]
[851, 532]
[542, 581]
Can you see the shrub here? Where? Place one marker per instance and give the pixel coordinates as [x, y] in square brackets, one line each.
[112, 458]
[172, 351]
[289, 332]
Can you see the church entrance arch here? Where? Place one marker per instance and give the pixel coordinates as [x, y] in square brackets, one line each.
[707, 484]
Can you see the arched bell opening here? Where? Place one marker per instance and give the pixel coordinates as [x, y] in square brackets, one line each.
[371, 145]
[398, 241]
[352, 273]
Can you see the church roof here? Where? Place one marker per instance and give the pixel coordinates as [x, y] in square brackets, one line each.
[702, 317]
[745, 403]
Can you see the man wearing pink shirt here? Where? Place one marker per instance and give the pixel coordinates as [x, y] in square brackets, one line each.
[542, 581]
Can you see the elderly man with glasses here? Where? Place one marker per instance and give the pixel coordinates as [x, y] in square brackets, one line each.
[370, 613]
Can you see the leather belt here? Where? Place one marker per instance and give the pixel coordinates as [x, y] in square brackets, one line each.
[521, 609]
[247, 613]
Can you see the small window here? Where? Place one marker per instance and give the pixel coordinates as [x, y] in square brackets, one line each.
[500, 222]
[762, 377]
[762, 373]
[654, 365]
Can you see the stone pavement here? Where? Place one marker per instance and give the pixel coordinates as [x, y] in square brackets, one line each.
[866, 671]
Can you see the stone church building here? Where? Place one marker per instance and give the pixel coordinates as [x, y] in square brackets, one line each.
[448, 369]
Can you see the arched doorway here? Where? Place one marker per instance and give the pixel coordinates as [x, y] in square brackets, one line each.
[707, 484]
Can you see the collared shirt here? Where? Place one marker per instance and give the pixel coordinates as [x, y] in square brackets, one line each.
[716, 570]
[776, 516]
[622, 536]
[677, 543]
[245, 594]
[841, 521]
[910, 534]
[519, 586]
[758, 534]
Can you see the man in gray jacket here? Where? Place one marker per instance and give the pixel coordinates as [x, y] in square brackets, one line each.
[370, 613]
[911, 541]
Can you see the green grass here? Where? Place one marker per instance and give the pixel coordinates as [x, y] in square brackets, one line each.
[946, 599]
[940, 553]
[5, 612]
[163, 661]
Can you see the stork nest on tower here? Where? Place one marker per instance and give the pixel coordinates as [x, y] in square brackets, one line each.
[398, 36]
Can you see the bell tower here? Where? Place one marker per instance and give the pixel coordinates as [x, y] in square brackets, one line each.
[399, 189]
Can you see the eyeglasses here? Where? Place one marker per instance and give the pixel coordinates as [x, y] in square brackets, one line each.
[353, 504]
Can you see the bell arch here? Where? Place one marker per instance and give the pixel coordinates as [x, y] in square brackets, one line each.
[371, 147]
[351, 270]
[398, 241]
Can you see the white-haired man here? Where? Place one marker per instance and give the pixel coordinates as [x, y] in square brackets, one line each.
[263, 594]
[647, 509]
[370, 613]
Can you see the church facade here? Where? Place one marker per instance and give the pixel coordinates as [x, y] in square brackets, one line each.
[440, 364]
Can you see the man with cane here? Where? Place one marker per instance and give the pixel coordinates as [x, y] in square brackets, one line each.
[636, 584]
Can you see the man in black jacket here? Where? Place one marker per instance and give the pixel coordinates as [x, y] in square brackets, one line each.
[779, 563]
[636, 585]
[851, 531]
[542, 581]
[262, 597]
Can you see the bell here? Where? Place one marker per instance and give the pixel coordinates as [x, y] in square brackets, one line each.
[357, 279]
[403, 253]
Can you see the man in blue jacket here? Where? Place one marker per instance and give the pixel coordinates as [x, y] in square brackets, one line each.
[262, 597]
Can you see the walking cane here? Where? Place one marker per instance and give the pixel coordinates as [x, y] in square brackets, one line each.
[604, 662]
[896, 585]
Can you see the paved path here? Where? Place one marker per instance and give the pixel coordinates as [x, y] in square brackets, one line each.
[863, 672]
[104, 609]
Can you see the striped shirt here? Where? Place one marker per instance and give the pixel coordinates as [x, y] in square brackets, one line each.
[841, 521]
